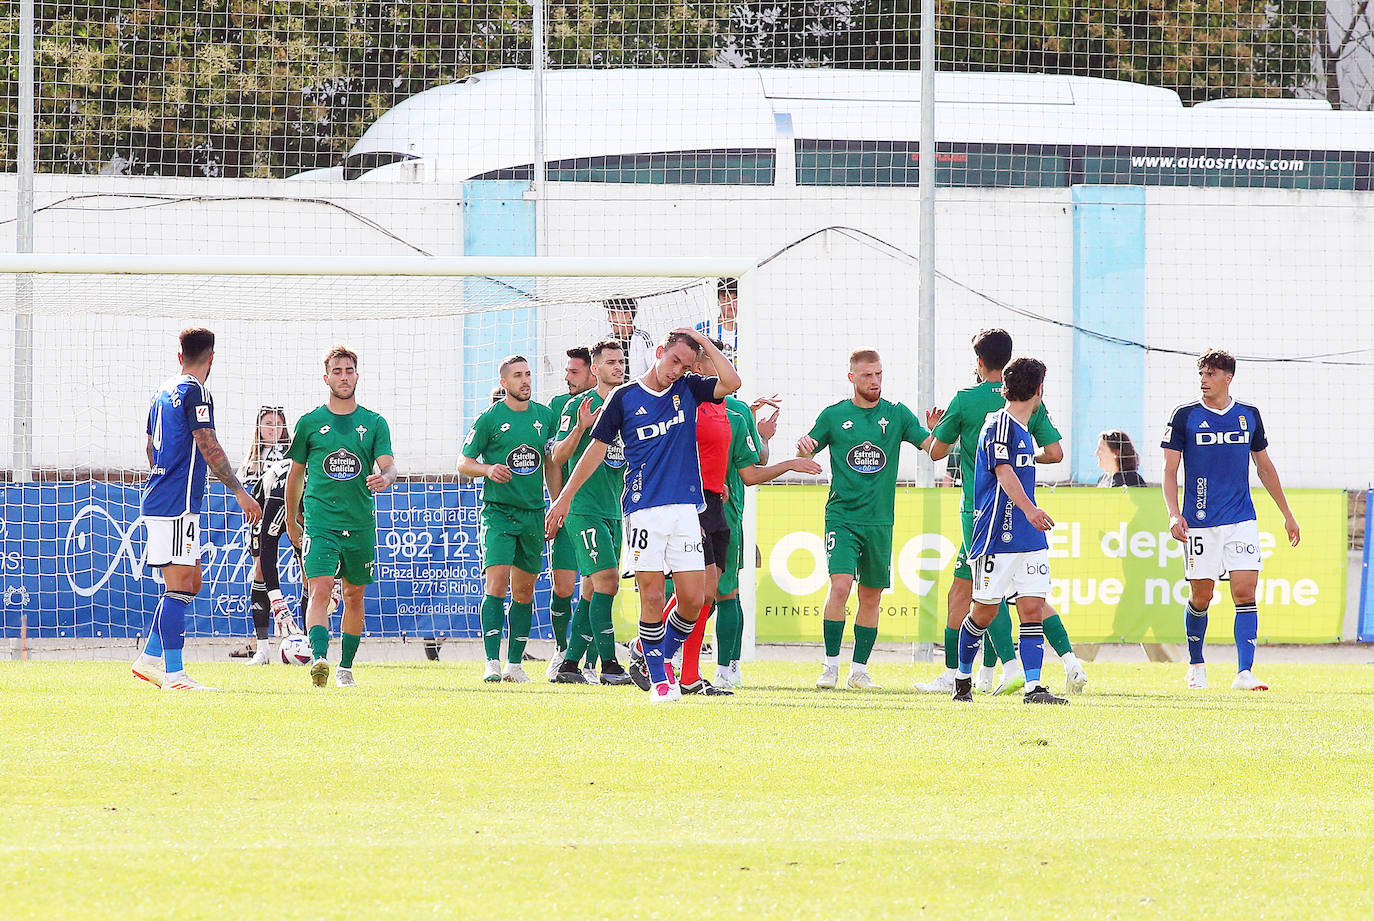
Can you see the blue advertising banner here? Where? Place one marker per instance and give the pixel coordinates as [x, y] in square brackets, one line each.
[71, 563]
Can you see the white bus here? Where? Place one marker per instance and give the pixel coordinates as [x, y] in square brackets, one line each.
[825, 127]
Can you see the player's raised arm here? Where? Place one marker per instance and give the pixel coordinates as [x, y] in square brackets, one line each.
[219, 465]
[1269, 478]
[727, 378]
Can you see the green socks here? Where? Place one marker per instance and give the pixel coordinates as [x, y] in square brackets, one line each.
[493, 615]
[521, 616]
[999, 643]
[319, 642]
[602, 626]
[952, 647]
[560, 613]
[351, 641]
[729, 631]
[864, 638]
[833, 631]
[1057, 636]
[579, 633]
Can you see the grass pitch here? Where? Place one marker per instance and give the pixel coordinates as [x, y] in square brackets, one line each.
[424, 793]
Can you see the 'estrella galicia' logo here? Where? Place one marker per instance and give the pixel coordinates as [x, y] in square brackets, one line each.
[342, 465]
[523, 461]
[866, 458]
[615, 456]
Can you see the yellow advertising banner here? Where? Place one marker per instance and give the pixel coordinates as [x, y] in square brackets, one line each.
[1117, 573]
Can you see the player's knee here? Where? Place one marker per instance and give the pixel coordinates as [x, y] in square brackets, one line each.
[1200, 597]
[1243, 595]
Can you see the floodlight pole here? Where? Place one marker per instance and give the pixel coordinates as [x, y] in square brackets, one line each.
[925, 322]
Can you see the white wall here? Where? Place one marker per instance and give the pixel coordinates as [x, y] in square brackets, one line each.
[1262, 272]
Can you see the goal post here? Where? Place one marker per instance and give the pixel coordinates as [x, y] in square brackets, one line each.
[102, 337]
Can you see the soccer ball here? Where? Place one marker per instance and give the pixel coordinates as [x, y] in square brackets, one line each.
[295, 650]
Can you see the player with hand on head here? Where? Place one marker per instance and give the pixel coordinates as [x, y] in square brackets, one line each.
[655, 418]
[577, 374]
[961, 423]
[864, 434]
[340, 458]
[1008, 553]
[181, 447]
[506, 446]
[1215, 438]
[593, 524]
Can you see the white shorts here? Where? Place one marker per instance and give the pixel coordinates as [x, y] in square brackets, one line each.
[666, 538]
[1007, 576]
[1212, 553]
[173, 541]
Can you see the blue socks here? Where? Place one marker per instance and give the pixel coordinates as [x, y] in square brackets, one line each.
[1247, 630]
[651, 644]
[970, 636]
[1195, 628]
[171, 628]
[1031, 648]
[678, 631]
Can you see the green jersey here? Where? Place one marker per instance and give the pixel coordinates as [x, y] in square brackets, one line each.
[963, 424]
[865, 444]
[600, 496]
[338, 453]
[517, 439]
[744, 452]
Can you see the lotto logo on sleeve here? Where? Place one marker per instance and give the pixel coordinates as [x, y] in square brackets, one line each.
[202, 413]
[866, 458]
[523, 461]
[342, 465]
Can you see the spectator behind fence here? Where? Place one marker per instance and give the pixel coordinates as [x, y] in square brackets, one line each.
[1118, 460]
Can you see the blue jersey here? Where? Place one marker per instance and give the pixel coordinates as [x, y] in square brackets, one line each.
[177, 483]
[998, 525]
[659, 433]
[1216, 447]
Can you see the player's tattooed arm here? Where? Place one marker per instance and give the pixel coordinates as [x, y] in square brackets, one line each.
[219, 465]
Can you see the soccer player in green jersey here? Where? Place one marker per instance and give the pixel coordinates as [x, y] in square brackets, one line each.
[334, 453]
[577, 374]
[506, 446]
[865, 435]
[962, 422]
[593, 521]
[748, 457]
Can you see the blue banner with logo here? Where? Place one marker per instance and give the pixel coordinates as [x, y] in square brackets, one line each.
[71, 563]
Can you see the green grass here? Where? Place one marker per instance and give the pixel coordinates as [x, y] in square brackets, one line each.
[427, 794]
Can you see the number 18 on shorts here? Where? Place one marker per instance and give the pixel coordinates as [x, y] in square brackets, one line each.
[1007, 576]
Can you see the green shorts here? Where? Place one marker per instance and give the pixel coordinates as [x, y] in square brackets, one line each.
[734, 559]
[961, 570]
[513, 537]
[596, 541]
[862, 551]
[562, 554]
[347, 555]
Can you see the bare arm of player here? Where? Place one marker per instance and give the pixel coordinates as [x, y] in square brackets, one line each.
[753, 476]
[219, 465]
[1050, 454]
[768, 427]
[563, 450]
[1269, 477]
[553, 477]
[474, 468]
[1006, 478]
[931, 445]
[806, 446]
[1177, 526]
[558, 511]
[385, 475]
[727, 378]
[295, 487]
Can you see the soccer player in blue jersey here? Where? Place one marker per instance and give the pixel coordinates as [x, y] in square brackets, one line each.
[181, 446]
[655, 417]
[1215, 438]
[1009, 554]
